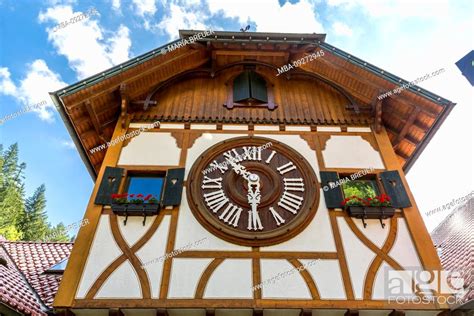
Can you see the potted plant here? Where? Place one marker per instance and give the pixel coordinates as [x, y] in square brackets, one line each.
[119, 203]
[135, 203]
[152, 205]
[378, 207]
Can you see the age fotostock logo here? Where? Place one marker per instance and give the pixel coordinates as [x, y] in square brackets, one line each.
[423, 286]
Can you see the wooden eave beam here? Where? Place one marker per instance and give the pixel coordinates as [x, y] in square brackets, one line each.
[399, 116]
[378, 115]
[130, 79]
[409, 122]
[379, 90]
[94, 119]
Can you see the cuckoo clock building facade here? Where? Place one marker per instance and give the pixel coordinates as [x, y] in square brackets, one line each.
[232, 196]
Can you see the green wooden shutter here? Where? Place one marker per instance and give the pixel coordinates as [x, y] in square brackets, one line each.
[258, 88]
[395, 189]
[173, 187]
[334, 196]
[241, 87]
[110, 185]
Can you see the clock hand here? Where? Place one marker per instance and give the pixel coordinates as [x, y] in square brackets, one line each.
[239, 169]
[253, 197]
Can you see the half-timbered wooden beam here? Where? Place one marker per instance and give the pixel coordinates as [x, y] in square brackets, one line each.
[378, 116]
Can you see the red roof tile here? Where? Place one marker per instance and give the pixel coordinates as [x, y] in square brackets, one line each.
[30, 259]
[454, 236]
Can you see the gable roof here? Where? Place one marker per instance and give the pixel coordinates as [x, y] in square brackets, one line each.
[90, 108]
[454, 237]
[23, 285]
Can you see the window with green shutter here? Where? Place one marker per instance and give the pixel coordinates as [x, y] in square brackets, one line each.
[250, 87]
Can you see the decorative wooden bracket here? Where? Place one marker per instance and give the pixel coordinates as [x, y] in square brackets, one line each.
[378, 116]
[94, 119]
[124, 104]
[146, 103]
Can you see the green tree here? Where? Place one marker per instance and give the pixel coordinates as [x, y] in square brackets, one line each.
[11, 192]
[58, 233]
[34, 221]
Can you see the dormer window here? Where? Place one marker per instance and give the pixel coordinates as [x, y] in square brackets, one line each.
[250, 89]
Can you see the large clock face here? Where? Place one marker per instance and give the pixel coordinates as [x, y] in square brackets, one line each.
[253, 191]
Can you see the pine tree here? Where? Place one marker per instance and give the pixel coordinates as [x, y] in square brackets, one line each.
[11, 192]
[33, 222]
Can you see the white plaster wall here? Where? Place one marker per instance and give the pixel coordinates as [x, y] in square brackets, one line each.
[153, 148]
[288, 286]
[298, 144]
[103, 252]
[134, 228]
[328, 129]
[231, 279]
[203, 143]
[232, 127]
[151, 253]
[358, 257]
[345, 151]
[292, 128]
[327, 277]
[317, 236]
[185, 275]
[171, 126]
[374, 231]
[266, 128]
[122, 283]
[359, 129]
[403, 250]
[387, 277]
[204, 126]
[189, 231]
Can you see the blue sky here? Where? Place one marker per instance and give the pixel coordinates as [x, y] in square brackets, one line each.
[408, 38]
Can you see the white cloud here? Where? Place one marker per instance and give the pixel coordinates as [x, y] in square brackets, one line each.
[34, 88]
[341, 29]
[69, 144]
[397, 8]
[6, 84]
[269, 16]
[116, 5]
[178, 18]
[88, 48]
[143, 7]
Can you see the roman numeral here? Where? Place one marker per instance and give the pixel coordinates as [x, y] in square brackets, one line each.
[221, 166]
[278, 219]
[290, 202]
[215, 200]
[270, 157]
[286, 168]
[254, 221]
[231, 215]
[252, 153]
[293, 184]
[233, 155]
[209, 183]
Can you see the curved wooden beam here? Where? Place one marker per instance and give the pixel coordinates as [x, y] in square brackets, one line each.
[206, 275]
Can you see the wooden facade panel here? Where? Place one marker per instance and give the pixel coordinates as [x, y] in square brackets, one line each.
[298, 101]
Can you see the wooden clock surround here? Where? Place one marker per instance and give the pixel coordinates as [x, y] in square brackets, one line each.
[272, 188]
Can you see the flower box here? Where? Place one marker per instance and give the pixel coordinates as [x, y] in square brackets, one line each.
[138, 205]
[370, 212]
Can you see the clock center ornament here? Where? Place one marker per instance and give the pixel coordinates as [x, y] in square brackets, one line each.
[253, 191]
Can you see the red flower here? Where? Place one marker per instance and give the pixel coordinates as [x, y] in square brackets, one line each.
[148, 197]
[139, 195]
[131, 195]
